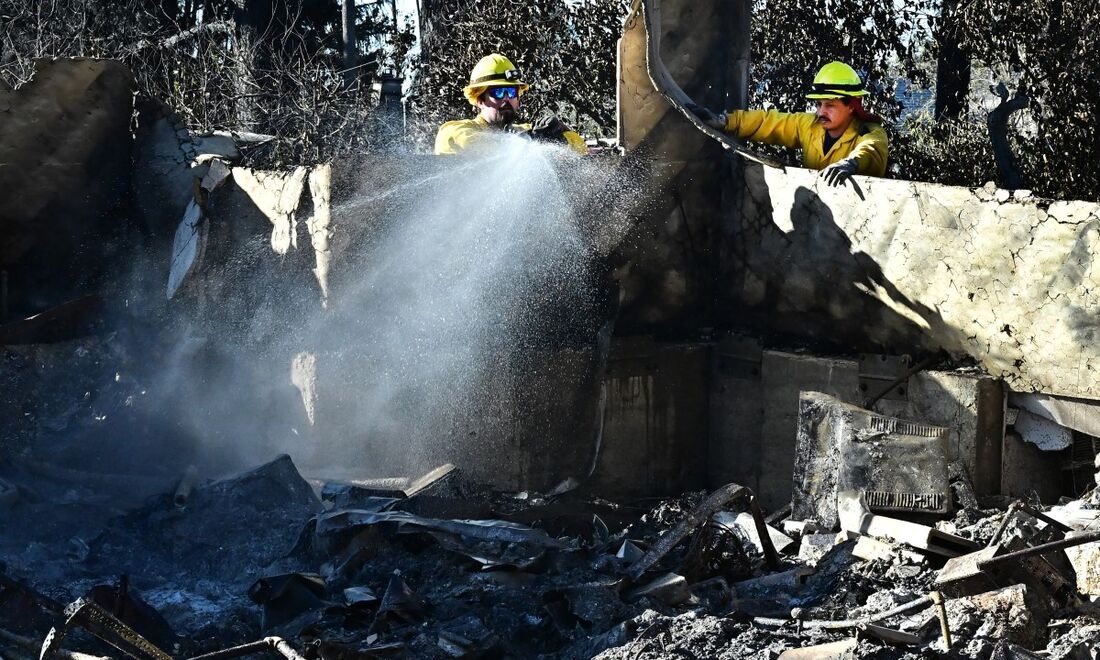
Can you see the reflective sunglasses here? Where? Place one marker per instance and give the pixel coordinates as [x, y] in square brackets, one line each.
[504, 92]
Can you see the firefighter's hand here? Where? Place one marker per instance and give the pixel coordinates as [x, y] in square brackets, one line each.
[708, 117]
[838, 173]
[549, 129]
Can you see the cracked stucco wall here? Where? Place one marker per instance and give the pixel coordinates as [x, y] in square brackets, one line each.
[1007, 278]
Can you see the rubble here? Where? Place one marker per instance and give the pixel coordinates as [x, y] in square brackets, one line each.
[841, 650]
[1079, 642]
[744, 524]
[437, 566]
[978, 622]
[441, 572]
[992, 567]
[872, 549]
[1086, 566]
[670, 589]
[814, 547]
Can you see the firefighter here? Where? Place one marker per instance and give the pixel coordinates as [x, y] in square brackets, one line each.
[495, 89]
[841, 138]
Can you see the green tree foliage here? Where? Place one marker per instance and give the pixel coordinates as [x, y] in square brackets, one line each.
[565, 50]
[276, 66]
[1051, 49]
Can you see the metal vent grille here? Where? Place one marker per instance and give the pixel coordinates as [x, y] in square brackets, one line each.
[887, 425]
[882, 499]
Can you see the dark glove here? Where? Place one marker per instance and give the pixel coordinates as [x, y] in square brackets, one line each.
[549, 129]
[712, 119]
[837, 173]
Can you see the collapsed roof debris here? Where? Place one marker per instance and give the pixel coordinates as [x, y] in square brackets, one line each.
[457, 570]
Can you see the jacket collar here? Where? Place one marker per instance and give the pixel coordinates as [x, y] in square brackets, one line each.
[850, 134]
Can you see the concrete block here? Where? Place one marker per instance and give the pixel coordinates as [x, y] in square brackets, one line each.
[971, 407]
[737, 414]
[1086, 564]
[670, 589]
[1029, 472]
[869, 549]
[654, 438]
[799, 527]
[842, 650]
[554, 417]
[814, 547]
[1002, 614]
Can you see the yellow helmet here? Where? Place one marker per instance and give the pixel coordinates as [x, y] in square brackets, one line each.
[493, 70]
[836, 80]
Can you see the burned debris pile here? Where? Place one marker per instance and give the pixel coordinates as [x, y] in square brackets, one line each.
[437, 567]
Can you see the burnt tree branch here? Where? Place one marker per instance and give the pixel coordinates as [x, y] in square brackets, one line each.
[997, 122]
[224, 27]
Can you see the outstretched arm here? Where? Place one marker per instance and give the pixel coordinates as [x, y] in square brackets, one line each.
[769, 126]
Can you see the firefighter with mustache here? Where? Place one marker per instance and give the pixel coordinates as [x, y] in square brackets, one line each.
[841, 138]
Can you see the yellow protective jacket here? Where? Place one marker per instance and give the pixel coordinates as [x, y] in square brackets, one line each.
[865, 142]
[458, 136]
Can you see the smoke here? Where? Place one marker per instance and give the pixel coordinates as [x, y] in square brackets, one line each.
[459, 287]
[459, 278]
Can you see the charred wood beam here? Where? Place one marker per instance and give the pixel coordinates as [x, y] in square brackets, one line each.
[92, 480]
[85, 614]
[45, 602]
[919, 603]
[33, 646]
[707, 508]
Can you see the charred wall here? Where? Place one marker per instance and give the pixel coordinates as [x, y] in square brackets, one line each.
[65, 172]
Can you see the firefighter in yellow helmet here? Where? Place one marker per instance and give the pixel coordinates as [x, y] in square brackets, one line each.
[841, 138]
[495, 89]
